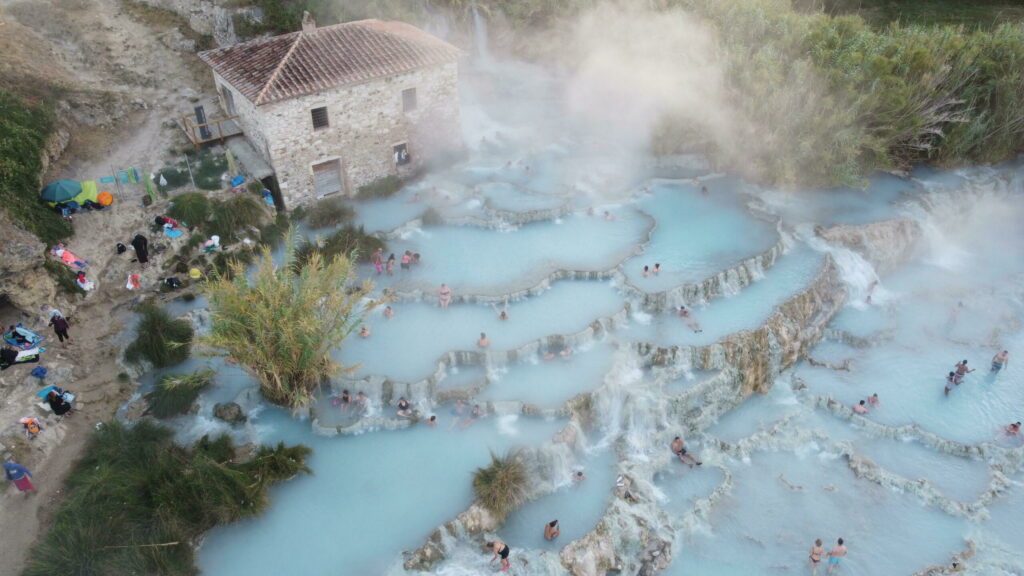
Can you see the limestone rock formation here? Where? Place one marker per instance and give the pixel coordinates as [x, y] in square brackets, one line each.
[22, 278]
[884, 244]
[229, 412]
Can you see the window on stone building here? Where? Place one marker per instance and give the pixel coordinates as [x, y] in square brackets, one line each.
[409, 99]
[401, 154]
[320, 119]
[327, 178]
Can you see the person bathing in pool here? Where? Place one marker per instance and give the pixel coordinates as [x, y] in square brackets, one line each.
[679, 449]
[836, 555]
[817, 553]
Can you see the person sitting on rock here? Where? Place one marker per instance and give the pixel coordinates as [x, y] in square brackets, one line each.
[678, 447]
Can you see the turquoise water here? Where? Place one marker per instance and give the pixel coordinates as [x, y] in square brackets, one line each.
[697, 235]
[376, 495]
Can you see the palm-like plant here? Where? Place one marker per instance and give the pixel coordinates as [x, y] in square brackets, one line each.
[501, 486]
[281, 322]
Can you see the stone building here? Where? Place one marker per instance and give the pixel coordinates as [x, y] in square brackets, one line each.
[336, 108]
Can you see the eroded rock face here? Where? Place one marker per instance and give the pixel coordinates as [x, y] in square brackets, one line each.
[22, 278]
[884, 244]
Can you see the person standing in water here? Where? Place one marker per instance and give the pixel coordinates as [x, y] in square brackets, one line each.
[500, 550]
[873, 401]
[679, 449]
[551, 530]
[444, 296]
[484, 341]
[378, 260]
[817, 553]
[647, 271]
[1000, 360]
[389, 313]
[951, 381]
[962, 370]
[836, 555]
[860, 408]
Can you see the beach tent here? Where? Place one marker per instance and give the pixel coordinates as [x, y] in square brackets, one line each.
[60, 191]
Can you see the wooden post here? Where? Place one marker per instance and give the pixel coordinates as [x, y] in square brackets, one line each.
[190, 177]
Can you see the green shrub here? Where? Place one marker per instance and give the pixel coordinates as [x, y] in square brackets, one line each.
[137, 501]
[232, 217]
[24, 129]
[191, 209]
[160, 339]
[275, 231]
[330, 212]
[346, 241]
[501, 486]
[431, 217]
[280, 326]
[174, 394]
[381, 188]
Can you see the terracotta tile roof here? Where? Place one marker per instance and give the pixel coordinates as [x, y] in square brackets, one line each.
[290, 65]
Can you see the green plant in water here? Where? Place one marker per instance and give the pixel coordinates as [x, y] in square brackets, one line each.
[137, 501]
[282, 326]
[381, 188]
[174, 394]
[160, 339]
[348, 241]
[501, 486]
[330, 212]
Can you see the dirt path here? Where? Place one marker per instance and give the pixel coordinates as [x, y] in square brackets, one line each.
[141, 61]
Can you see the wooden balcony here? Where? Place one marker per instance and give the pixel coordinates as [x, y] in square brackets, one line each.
[219, 129]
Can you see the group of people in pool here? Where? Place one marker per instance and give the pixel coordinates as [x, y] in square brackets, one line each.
[960, 370]
[868, 404]
[409, 259]
[346, 402]
[833, 557]
[648, 271]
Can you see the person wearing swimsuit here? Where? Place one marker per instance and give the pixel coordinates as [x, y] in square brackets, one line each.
[817, 551]
[1000, 360]
[444, 296]
[836, 555]
[500, 550]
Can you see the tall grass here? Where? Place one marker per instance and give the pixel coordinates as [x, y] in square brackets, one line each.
[24, 129]
[348, 241]
[161, 340]
[501, 486]
[381, 188]
[231, 218]
[190, 208]
[137, 501]
[281, 325]
[174, 394]
[330, 212]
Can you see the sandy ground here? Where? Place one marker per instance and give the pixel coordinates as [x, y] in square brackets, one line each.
[139, 59]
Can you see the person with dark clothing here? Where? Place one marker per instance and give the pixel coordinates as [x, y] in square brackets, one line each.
[57, 403]
[141, 246]
[60, 326]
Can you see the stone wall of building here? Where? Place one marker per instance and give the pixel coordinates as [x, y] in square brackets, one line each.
[366, 121]
[249, 118]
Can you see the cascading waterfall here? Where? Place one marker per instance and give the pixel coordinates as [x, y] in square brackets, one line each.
[481, 39]
[629, 407]
[857, 273]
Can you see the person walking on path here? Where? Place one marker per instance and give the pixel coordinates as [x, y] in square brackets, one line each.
[20, 475]
[60, 326]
